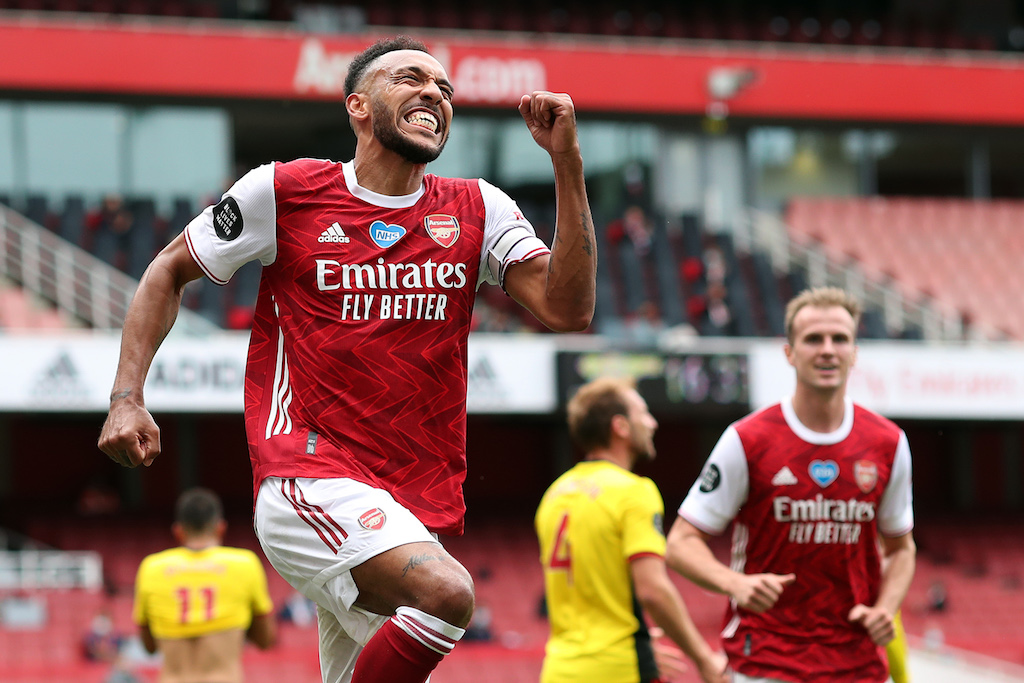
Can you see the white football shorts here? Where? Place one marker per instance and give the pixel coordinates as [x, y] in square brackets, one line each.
[314, 531]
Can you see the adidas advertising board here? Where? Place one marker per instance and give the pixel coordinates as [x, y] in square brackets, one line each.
[73, 373]
[511, 374]
[529, 375]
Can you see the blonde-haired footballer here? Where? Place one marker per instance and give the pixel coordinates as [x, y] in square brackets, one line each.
[817, 490]
[197, 604]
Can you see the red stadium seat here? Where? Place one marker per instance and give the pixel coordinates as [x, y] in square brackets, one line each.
[962, 253]
[982, 575]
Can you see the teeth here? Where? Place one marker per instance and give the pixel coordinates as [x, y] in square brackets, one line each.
[424, 119]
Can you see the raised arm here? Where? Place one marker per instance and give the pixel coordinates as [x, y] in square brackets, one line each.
[660, 599]
[130, 435]
[559, 289]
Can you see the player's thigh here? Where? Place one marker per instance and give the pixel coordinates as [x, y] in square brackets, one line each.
[420, 575]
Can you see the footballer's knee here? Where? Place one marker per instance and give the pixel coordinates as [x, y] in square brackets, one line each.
[451, 598]
[419, 575]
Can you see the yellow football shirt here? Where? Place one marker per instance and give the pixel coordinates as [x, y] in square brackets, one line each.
[590, 523]
[184, 593]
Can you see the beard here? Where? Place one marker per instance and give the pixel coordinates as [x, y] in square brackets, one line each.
[643, 449]
[643, 454]
[392, 139]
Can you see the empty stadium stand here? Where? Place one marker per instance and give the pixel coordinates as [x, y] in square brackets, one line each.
[73, 258]
[20, 310]
[502, 556]
[980, 565]
[672, 275]
[961, 254]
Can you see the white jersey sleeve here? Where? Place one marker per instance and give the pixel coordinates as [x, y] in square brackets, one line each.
[896, 509]
[508, 237]
[722, 488]
[242, 227]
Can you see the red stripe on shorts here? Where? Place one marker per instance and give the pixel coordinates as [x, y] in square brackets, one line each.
[326, 517]
[305, 516]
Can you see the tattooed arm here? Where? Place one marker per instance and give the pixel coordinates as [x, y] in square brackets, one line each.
[559, 289]
[130, 436]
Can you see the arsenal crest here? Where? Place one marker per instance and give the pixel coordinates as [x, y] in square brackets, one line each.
[442, 228]
[372, 520]
[865, 473]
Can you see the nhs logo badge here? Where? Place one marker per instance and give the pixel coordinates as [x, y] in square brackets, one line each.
[824, 472]
[384, 235]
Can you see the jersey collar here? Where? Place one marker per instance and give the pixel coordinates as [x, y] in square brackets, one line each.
[370, 197]
[818, 438]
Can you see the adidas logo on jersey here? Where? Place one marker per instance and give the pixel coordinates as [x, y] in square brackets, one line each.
[334, 234]
[784, 477]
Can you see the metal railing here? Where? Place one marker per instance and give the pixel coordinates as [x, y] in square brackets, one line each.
[768, 233]
[77, 282]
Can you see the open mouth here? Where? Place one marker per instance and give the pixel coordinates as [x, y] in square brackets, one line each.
[423, 119]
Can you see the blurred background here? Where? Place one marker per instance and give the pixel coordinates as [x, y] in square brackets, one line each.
[736, 152]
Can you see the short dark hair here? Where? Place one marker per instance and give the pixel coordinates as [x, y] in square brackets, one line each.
[357, 67]
[198, 510]
[591, 409]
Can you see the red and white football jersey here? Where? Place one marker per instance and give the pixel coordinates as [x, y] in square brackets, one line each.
[810, 504]
[357, 360]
